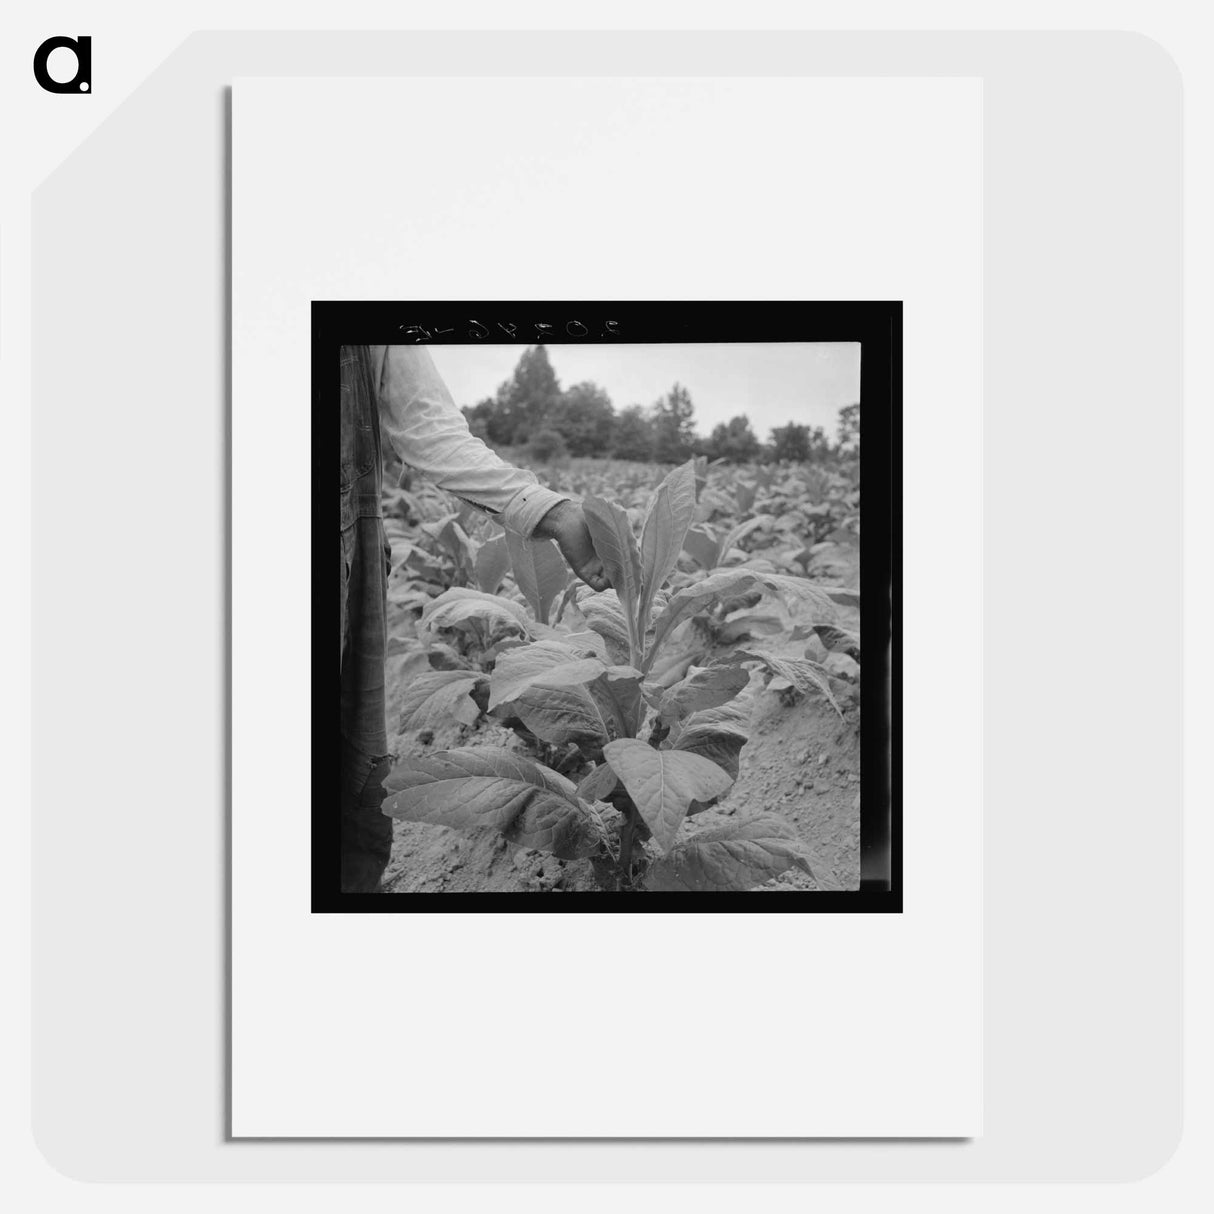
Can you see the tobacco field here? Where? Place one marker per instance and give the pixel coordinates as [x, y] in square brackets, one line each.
[695, 728]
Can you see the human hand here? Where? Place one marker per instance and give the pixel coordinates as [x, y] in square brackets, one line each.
[566, 524]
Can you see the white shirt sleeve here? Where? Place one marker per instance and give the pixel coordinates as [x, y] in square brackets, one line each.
[429, 433]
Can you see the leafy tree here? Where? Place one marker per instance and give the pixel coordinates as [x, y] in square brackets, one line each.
[673, 428]
[849, 429]
[585, 419]
[800, 444]
[481, 419]
[790, 442]
[633, 435]
[526, 400]
[733, 440]
[547, 447]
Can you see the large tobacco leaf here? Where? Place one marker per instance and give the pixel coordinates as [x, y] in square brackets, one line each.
[709, 550]
[528, 804]
[568, 596]
[437, 696]
[738, 856]
[713, 501]
[589, 644]
[492, 564]
[663, 533]
[749, 622]
[547, 663]
[702, 546]
[731, 583]
[605, 616]
[413, 558]
[719, 733]
[707, 687]
[577, 699]
[839, 640]
[740, 532]
[599, 784]
[454, 539]
[745, 495]
[619, 689]
[461, 606]
[843, 596]
[616, 545]
[664, 783]
[802, 673]
[409, 597]
[560, 715]
[539, 570]
[441, 656]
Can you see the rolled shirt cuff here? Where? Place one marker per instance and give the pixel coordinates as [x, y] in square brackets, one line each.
[525, 509]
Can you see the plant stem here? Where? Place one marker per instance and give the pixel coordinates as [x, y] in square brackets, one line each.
[626, 834]
[620, 723]
[636, 644]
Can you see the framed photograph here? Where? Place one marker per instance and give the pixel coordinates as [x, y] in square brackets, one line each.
[609, 577]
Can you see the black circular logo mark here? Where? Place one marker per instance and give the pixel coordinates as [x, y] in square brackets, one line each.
[82, 81]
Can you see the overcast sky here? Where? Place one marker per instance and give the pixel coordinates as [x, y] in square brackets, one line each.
[772, 383]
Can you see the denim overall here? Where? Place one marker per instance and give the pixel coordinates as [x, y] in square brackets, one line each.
[366, 834]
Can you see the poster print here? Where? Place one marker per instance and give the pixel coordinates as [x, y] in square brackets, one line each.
[439, 947]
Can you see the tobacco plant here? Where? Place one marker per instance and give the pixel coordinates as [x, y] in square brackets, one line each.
[652, 737]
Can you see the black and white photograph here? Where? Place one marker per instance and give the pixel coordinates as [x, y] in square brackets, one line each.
[622, 623]
[600, 611]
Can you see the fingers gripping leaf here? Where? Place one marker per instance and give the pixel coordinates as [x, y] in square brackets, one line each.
[529, 805]
[663, 783]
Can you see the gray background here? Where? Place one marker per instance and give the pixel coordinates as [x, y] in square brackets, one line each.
[1082, 702]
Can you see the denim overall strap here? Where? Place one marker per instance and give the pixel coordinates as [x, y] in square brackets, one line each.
[364, 759]
[361, 458]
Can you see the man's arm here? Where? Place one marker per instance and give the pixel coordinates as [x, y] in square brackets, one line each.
[431, 434]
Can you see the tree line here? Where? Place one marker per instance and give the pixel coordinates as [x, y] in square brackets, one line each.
[530, 410]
